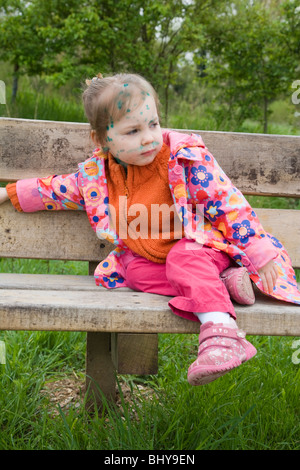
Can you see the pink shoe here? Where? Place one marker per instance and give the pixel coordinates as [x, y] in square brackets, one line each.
[238, 284]
[221, 349]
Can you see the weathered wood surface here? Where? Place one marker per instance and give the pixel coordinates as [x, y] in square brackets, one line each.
[68, 235]
[50, 307]
[40, 148]
[135, 353]
[47, 281]
[99, 368]
[256, 163]
[63, 235]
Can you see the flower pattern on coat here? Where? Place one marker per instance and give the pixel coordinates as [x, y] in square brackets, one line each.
[113, 280]
[201, 176]
[243, 231]
[213, 210]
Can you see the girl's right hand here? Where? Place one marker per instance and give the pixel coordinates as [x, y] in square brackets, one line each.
[3, 195]
[269, 275]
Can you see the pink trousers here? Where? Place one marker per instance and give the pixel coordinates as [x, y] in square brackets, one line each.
[191, 276]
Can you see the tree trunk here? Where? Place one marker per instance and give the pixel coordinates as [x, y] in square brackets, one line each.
[265, 115]
[166, 104]
[15, 83]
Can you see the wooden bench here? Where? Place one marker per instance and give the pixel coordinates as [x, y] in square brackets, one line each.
[122, 325]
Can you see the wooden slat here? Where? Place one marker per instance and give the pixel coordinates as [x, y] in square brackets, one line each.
[260, 164]
[124, 311]
[285, 225]
[256, 163]
[63, 235]
[67, 235]
[31, 148]
[52, 281]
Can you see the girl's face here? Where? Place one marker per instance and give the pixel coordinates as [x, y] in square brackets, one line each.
[136, 138]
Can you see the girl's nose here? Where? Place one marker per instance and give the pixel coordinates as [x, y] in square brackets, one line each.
[147, 138]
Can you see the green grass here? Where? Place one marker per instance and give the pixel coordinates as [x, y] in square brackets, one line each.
[38, 100]
[254, 407]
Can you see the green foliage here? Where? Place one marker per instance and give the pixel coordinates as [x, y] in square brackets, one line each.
[250, 58]
[246, 51]
[60, 41]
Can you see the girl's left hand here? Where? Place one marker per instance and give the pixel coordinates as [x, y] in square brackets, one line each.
[3, 195]
[269, 275]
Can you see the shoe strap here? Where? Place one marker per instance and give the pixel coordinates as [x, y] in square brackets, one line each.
[223, 331]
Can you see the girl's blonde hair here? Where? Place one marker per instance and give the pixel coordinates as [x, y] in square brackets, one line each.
[108, 99]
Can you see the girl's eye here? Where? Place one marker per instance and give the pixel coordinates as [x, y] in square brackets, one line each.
[133, 131]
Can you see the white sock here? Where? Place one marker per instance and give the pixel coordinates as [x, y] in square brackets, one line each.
[216, 317]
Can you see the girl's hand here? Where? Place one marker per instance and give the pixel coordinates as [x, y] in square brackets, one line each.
[3, 195]
[269, 275]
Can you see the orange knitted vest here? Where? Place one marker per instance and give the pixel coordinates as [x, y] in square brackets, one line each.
[142, 211]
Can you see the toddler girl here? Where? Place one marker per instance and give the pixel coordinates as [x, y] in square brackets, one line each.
[143, 190]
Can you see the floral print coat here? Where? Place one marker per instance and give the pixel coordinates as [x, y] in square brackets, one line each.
[195, 178]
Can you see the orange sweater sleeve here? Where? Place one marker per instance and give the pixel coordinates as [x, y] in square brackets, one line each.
[13, 196]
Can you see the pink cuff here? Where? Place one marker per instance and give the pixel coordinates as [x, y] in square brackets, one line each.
[261, 252]
[29, 196]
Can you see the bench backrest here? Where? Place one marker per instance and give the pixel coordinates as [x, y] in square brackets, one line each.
[256, 163]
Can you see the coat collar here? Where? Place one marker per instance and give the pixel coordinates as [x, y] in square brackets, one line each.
[178, 141]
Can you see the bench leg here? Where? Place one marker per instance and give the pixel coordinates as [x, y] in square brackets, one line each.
[100, 370]
[135, 353]
[109, 353]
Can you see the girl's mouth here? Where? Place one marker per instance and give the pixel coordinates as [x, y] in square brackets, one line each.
[148, 153]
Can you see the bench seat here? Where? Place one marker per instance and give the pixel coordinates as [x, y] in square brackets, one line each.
[75, 303]
[121, 325]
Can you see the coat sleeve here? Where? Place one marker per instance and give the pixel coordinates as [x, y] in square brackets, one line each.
[227, 209]
[51, 193]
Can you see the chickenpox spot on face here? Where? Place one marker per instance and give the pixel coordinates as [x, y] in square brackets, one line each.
[137, 149]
